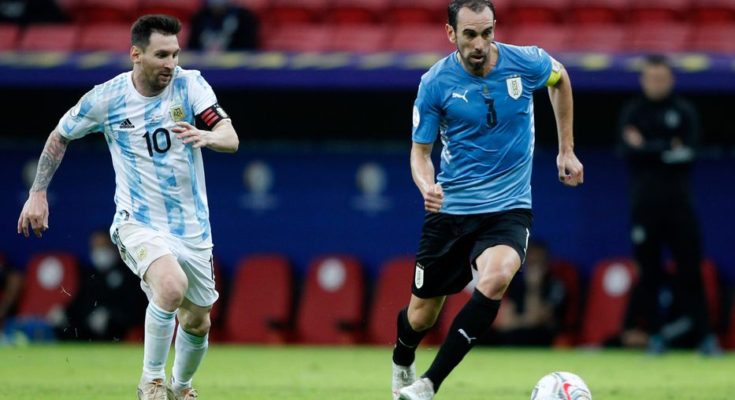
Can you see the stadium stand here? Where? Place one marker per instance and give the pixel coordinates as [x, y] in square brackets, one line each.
[357, 11]
[59, 37]
[592, 12]
[110, 37]
[296, 11]
[259, 308]
[550, 37]
[392, 292]
[607, 38]
[418, 12]
[568, 274]
[714, 38]
[102, 11]
[331, 305]
[651, 11]
[182, 9]
[359, 38]
[539, 11]
[607, 300]
[419, 37]
[658, 37]
[298, 37]
[52, 279]
[713, 11]
[9, 34]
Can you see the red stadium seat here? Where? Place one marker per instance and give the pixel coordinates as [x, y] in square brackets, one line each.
[101, 11]
[296, 11]
[552, 38]
[259, 308]
[418, 11]
[648, 11]
[299, 37]
[420, 38]
[608, 38]
[331, 305]
[9, 34]
[257, 6]
[181, 9]
[49, 37]
[568, 275]
[658, 37]
[359, 38]
[707, 12]
[599, 11]
[108, 37]
[714, 38]
[393, 292]
[358, 11]
[539, 11]
[607, 301]
[52, 279]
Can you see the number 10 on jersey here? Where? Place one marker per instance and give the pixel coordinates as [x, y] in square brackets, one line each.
[154, 141]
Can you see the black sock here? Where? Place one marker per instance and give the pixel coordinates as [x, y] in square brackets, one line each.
[470, 324]
[407, 340]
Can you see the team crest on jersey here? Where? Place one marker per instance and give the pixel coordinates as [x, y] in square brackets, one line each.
[418, 277]
[177, 113]
[515, 87]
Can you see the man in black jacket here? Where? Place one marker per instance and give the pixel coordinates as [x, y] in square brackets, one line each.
[659, 132]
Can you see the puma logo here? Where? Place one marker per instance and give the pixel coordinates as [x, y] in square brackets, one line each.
[462, 96]
[466, 336]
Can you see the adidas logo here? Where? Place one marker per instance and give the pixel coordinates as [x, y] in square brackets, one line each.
[127, 124]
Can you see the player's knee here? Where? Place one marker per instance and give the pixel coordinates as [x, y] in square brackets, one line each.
[171, 292]
[422, 319]
[197, 325]
[495, 281]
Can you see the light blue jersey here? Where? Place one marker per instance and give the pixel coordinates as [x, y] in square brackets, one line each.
[486, 126]
[159, 180]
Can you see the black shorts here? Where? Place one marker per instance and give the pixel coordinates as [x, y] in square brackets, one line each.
[450, 244]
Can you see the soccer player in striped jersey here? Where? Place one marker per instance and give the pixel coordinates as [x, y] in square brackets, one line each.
[149, 118]
[479, 101]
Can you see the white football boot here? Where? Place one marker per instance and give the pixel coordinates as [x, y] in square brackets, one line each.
[402, 377]
[422, 389]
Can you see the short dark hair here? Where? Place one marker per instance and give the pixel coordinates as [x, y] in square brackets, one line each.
[140, 33]
[474, 5]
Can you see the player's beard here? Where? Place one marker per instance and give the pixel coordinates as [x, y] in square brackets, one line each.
[161, 80]
[476, 62]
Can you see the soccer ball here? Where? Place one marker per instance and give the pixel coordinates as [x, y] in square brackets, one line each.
[561, 386]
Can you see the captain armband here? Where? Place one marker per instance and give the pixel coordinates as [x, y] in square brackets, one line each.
[555, 75]
[212, 115]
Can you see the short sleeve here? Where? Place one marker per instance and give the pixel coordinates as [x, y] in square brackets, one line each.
[82, 119]
[541, 68]
[426, 114]
[201, 94]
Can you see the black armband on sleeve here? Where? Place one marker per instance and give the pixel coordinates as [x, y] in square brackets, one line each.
[212, 115]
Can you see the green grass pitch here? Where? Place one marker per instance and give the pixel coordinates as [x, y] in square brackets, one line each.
[91, 371]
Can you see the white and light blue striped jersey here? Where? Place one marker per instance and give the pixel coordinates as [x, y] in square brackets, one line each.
[486, 126]
[159, 180]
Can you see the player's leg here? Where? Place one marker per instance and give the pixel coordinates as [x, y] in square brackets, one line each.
[167, 283]
[413, 323]
[191, 346]
[192, 336]
[496, 267]
[149, 256]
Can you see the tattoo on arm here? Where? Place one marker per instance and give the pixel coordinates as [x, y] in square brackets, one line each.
[53, 153]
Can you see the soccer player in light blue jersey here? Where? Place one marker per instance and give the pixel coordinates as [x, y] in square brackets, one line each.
[479, 102]
[161, 223]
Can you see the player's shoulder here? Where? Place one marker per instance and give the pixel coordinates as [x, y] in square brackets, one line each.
[520, 54]
[112, 88]
[439, 71]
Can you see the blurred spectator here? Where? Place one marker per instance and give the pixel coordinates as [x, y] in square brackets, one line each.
[30, 11]
[222, 26]
[11, 284]
[108, 303]
[532, 312]
[659, 131]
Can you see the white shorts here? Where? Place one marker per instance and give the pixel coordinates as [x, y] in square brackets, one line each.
[140, 245]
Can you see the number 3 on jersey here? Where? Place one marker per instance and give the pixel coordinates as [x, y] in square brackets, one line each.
[492, 116]
[154, 141]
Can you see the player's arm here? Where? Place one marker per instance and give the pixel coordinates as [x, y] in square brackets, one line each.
[571, 172]
[220, 137]
[35, 211]
[422, 170]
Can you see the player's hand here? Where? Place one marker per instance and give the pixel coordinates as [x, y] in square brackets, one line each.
[571, 172]
[34, 213]
[188, 133]
[633, 138]
[433, 198]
